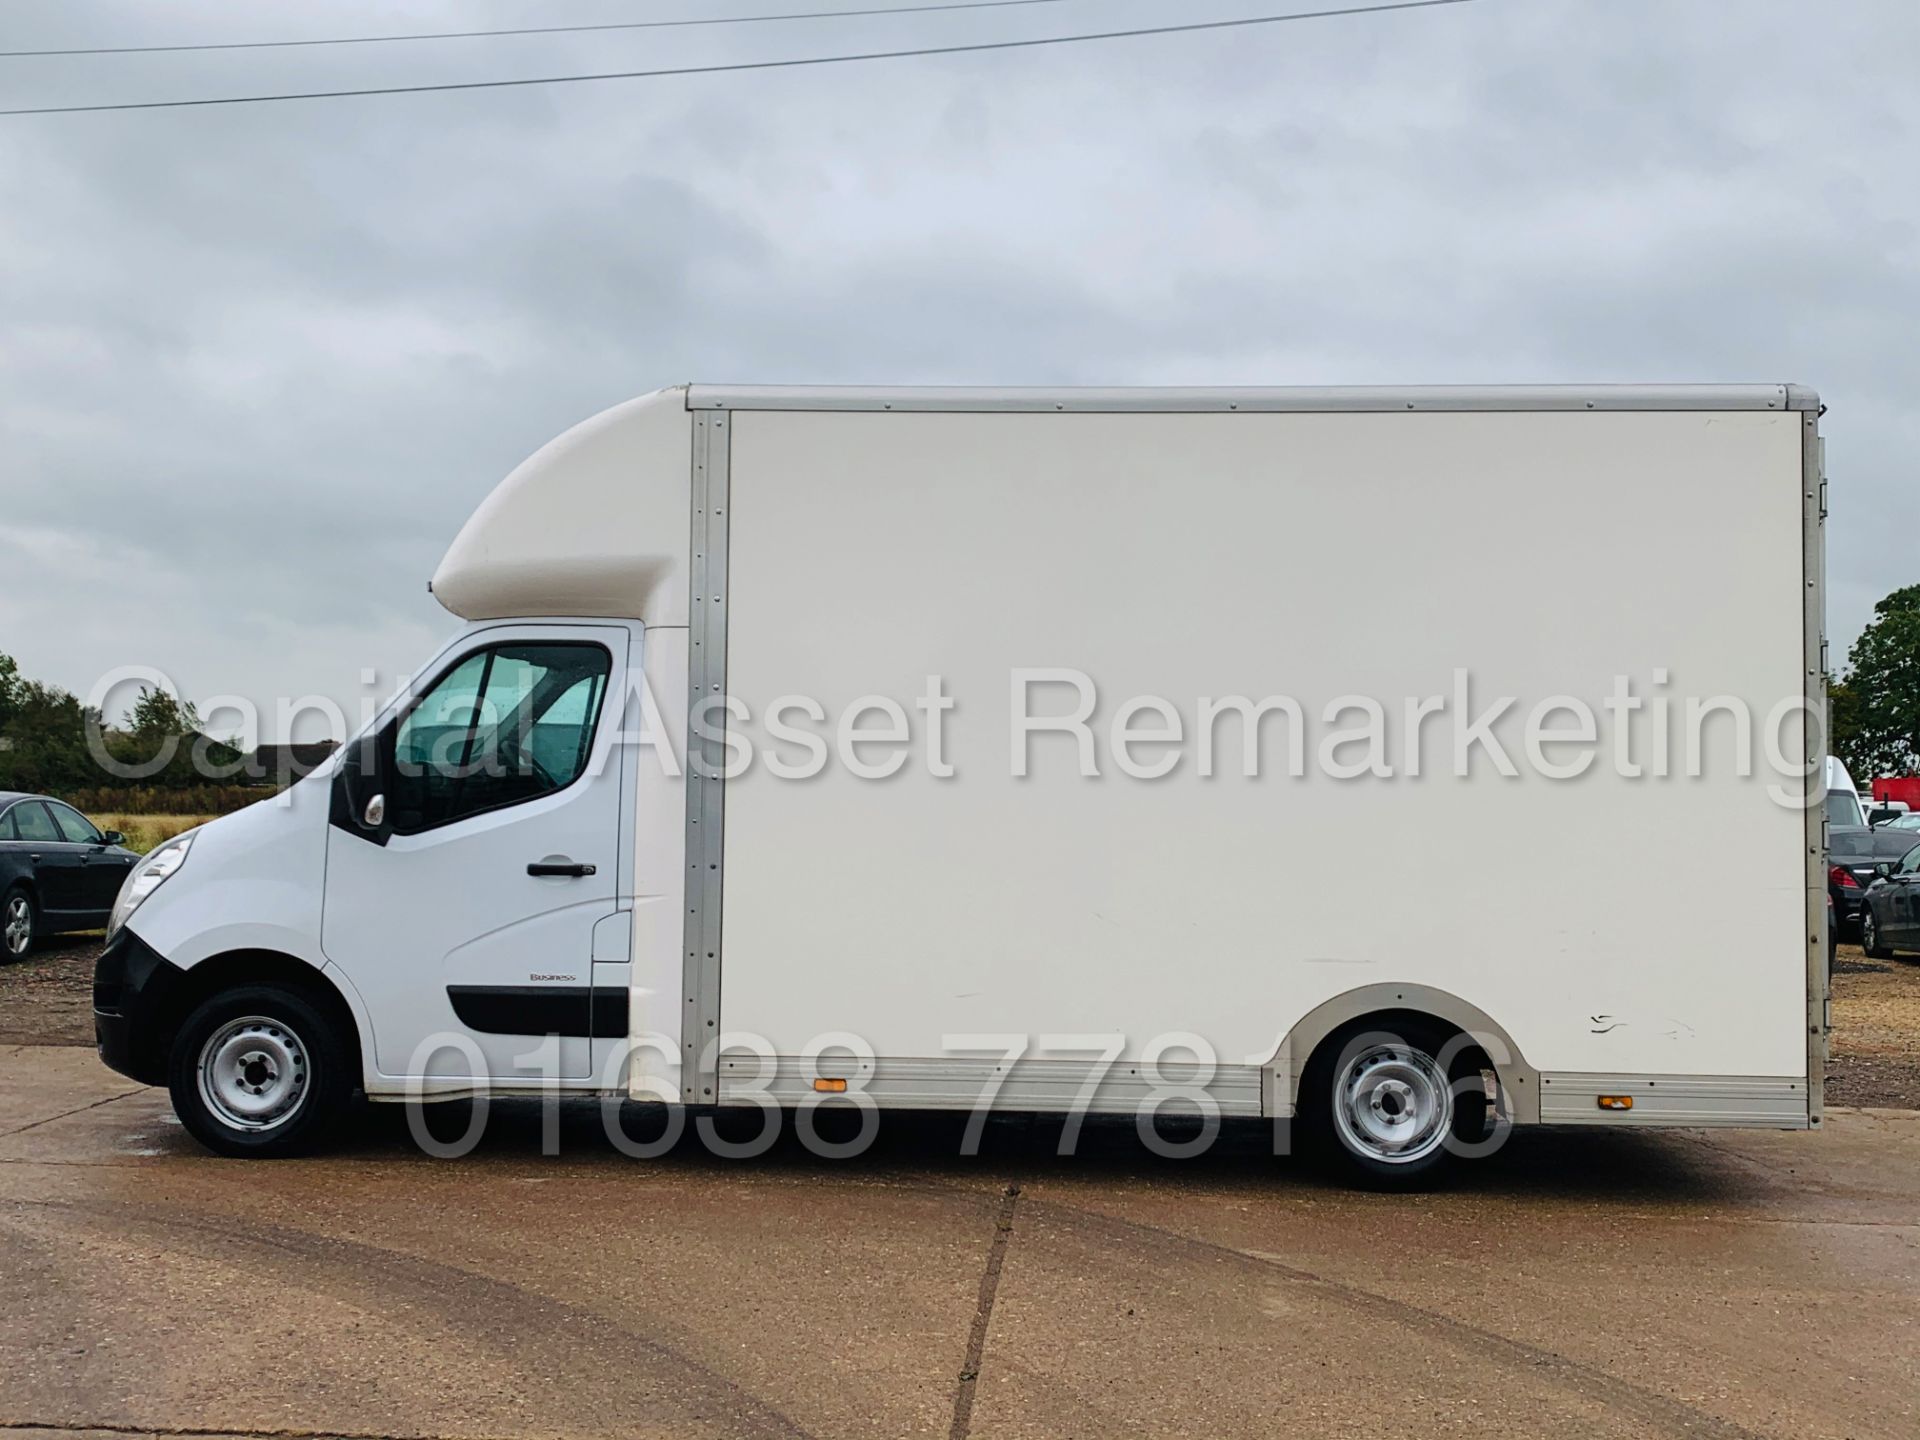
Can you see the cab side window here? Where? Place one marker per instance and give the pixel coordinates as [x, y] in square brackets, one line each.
[505, 725]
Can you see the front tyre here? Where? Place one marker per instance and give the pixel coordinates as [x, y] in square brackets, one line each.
[258, 1070]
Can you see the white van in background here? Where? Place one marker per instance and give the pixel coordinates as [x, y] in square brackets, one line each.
[1040, 876]
[1846, 803]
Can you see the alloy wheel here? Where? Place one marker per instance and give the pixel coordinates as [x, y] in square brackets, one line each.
[19, 925]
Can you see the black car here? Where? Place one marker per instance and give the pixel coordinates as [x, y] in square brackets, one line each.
[1855, 854]
[1890, 911]
[57, 871]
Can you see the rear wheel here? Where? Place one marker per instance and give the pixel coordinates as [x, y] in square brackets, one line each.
[1379, 1101]
[19, 924]
[259, 1070]
[1870, 936]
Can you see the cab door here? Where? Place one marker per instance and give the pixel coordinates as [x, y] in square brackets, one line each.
[479, 851]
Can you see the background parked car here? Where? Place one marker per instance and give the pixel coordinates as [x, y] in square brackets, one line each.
[1854, 855]
[1890, 909]
[57, 871]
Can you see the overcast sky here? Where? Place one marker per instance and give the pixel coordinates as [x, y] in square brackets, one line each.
[257, 363]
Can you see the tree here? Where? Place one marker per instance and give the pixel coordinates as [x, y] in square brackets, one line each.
[1875, 707]
[164, 743]
[44, 741]
[157, 715]
[43, 730]
[1843, 723]
[9, 693]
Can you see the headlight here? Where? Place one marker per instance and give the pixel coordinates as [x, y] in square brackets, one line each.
[147, 877]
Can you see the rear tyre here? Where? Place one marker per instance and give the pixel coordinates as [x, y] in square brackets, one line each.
[19, 924]
[1378, 1104]
[1870, 936]
[259, 1071]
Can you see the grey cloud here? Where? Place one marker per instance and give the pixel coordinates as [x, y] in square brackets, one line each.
[258, 364]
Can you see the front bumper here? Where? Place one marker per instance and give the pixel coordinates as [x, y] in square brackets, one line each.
[135, 990]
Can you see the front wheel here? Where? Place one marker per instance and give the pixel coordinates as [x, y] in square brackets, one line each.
[258, 1070]
[1870, 936]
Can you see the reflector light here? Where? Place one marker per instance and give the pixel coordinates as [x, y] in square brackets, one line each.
[830, 1087]
[1616, 1102]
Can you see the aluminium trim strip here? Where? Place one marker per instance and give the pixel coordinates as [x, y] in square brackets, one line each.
[1058, 1085]
[706, 755]
[1814, 732]
[1745, 1101]
[1029, 1084]
[1258, 399]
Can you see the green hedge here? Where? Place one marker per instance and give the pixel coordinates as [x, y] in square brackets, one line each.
[151, 800]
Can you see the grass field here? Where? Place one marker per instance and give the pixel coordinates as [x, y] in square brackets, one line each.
[143, 832]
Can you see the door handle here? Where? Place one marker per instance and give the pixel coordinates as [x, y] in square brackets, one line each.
[34, 858]
[559, 867]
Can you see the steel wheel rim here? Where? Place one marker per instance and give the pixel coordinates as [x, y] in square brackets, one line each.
[1392, 1103]
[254, 1073]
[19, 925]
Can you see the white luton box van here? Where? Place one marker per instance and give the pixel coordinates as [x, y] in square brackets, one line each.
[1342, 754]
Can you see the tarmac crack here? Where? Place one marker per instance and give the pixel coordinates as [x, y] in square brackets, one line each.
[77, 1110]
[983, 1315]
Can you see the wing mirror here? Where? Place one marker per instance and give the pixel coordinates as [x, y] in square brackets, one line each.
[113, 837]
[1883, 870]
[359, 790]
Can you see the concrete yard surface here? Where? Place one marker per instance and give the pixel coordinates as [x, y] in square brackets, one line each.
[1578, 1284]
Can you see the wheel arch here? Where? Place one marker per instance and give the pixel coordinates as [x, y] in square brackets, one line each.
[1280, 1077]
[230, 968]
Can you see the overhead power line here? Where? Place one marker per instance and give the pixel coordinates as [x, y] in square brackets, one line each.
[973, 49]
[532, 30]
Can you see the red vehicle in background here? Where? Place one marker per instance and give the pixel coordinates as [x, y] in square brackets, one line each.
[1904, 788]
